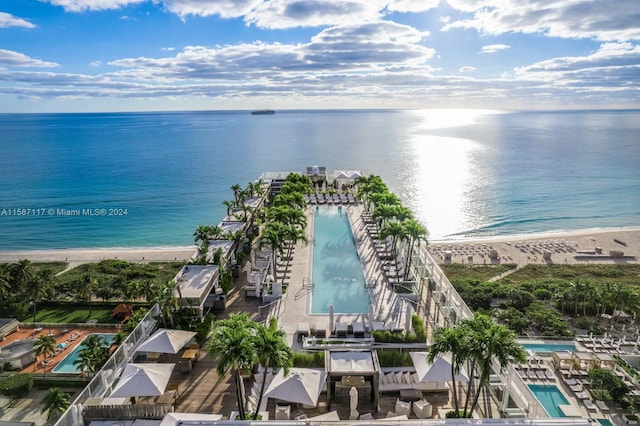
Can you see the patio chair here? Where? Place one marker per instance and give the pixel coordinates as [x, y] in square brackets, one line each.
[341, 329]
[423, 409]
[602, 405]
[589, 405]
[358, 329]
[366, 416]
[403, 407]
[283, 412]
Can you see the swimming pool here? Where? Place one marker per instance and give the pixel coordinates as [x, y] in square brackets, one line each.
[605, 422]
[550, 397]
[549, 347]
[337, 272]
[66, 365]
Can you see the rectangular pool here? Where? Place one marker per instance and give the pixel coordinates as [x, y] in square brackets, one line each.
[549, 347]
[66, 365]
[550, 397]
[337, 272]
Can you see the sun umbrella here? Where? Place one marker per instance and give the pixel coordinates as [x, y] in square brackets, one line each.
[166, 341]
[439, 371]
[353, 404]
[301, 385]
[143, 380]
[331, 317]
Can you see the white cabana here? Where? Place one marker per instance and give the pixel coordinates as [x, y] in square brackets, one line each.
[438, 372]
[301, 385]
[166, 341]
[143, 380]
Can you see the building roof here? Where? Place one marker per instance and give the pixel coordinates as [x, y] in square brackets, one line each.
[196, 281]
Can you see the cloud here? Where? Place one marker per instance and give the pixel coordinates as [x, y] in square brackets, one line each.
[91, 5]
[168, 49]
[493, 48]
[9, 58]
[222, 8]
[467, 69]
[8, 21]
[96, 64]
[414, 6]
[602, 20]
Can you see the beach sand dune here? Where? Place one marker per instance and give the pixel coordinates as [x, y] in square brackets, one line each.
[79, 256]
[615, 245]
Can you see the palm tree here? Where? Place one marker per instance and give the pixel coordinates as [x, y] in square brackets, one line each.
[416, 233]
[87, 287]
[206, 232]
[396, 231]
[273, 236]
[39, 288]
[5, 284]
[491, 343]
[55, 402]
[44, 345]
[229, 205]
[450, 341]
[165, 296]
[236, 188]
[273, 351]
[21, 273]
[93, 355]
[233, 341]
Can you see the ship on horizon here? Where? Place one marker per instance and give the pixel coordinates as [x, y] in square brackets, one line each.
[263, 112]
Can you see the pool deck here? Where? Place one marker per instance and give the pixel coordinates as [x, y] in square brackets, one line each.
[297, 301]
[61, 335]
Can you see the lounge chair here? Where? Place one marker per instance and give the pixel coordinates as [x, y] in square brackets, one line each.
[589, 404]
[582, 395]
[321, 330]
[550, 375]
[602, 406]
[341, 329]
[403, 407]
[358, 329]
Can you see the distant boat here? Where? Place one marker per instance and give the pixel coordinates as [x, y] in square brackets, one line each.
[263, 112]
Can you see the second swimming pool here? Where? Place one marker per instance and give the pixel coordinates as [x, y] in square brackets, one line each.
[550, 397]
[337, 272]
[66, 365]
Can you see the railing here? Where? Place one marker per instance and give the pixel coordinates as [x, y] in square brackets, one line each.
[100, 384]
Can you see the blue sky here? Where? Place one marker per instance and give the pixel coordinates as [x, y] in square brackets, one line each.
[133, 55]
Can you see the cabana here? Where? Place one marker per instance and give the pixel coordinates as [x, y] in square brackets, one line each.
[563, 360]
[123, 311]
[352, 368]
[604, 360]
[195, 282]
[582, 361]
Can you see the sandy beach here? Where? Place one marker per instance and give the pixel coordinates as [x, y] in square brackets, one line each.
[79, 256]
[571, 247]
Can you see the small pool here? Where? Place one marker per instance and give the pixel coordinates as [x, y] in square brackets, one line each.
[66, 365]
[549, 347]
[337, 272]
[550, 397]
[605, 422]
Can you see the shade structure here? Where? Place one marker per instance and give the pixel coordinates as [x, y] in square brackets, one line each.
[301, 385]
[173, 419]
[331, 416]
[143, 380]
[439, 371]
[167, 341]
[353, 404]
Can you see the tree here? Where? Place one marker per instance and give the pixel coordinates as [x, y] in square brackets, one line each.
[273, 236]
[21, 273]
[236, 188]
[93, 355]
[55, 402]
[416, 233]
[5, 284]
[233, 341]
[450, 341]
[273, 351]
[39, 287]
[86, 288]
[229, 205]
[44, 345]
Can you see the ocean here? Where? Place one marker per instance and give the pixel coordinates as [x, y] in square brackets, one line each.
[464, 173]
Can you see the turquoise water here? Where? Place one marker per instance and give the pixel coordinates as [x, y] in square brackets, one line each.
[337, 271]
[465, 176]
[550, 397]
[605, 422]
[549, 347]
[66, 365]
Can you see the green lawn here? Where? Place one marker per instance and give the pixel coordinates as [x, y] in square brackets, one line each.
[63, 314]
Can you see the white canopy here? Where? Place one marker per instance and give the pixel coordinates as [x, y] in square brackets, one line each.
[167, 341]
[301, 385]
[439, 371]
[143, 380]
[173, 419]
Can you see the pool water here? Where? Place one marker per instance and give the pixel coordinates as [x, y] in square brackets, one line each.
[550, 397]
[549, 347]
[337, 272]
[66, 365]
[605, 422]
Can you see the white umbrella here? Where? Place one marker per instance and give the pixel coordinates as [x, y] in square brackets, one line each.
[249, 270]
[439, 371]
[331, 317]
[173, 419]
[166, 341]
[353, 404]
[371, 317]
[407, 319]
[301, 385]
[143, 380]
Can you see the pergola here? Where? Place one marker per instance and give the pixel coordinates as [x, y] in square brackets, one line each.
[352, 368]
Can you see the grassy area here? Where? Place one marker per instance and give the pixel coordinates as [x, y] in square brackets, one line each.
[598, 274]
[480, 273]
[111, 269]
[63, 314]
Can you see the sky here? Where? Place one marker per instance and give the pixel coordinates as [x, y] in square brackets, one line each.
[146, 55]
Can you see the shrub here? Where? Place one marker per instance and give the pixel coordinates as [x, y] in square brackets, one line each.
[418, 328]
[16, 385]
[394, 358]
[202, 329]
[310, 360]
